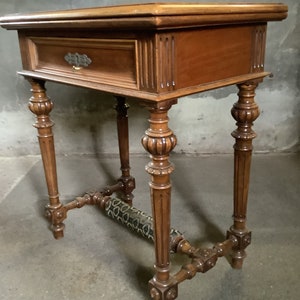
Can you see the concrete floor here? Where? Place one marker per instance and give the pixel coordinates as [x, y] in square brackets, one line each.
[99, 259]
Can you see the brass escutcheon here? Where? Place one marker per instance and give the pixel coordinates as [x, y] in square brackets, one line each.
[77, 60]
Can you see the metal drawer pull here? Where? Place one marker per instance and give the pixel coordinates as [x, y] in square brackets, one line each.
[77, 60]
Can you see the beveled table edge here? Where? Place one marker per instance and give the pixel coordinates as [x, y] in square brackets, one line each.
[153, 13]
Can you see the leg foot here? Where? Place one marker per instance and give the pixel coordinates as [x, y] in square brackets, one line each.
[245, 112]
[41, 106]
[167, 291]
[128, 182]
[238, 253]
[159, 141]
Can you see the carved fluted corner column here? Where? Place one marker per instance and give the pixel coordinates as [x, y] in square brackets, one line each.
[245, 112]
[41, 106]
[159, 141]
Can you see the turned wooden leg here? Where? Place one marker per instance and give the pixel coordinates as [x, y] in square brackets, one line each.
[41, 106]
[127, 181]
[159, 141]
[245, 111]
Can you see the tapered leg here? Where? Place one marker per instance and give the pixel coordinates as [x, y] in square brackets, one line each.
[128, 182]
[245, 111]
[159, 141]
[41, 106]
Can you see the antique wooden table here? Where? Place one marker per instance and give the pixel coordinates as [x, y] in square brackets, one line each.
[154, 53]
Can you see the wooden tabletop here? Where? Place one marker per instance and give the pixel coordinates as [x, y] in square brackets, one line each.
[159, 15]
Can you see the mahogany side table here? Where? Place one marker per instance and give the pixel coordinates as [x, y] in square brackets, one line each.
[155, 53]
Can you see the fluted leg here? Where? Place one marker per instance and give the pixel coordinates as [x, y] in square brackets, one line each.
[41, 106]
[159, 141]
[245, 111]
[127, 181]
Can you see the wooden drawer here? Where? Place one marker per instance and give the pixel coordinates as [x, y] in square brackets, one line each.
[105, 61]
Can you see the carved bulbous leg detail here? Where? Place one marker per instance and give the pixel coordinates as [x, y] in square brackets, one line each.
[41, 106]
[159, 141]
[157, 146]
[245, 112]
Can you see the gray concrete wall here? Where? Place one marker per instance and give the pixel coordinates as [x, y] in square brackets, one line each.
[85, 119]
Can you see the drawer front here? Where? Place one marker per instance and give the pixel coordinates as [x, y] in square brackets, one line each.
[105, 61]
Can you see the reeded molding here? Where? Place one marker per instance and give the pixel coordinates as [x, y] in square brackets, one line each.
[258, 49]
[166, 62]
[146, 54]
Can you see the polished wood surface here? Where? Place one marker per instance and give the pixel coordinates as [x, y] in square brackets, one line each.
[147, 50]
[149, 65]
[153, 15]
[155, 53]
